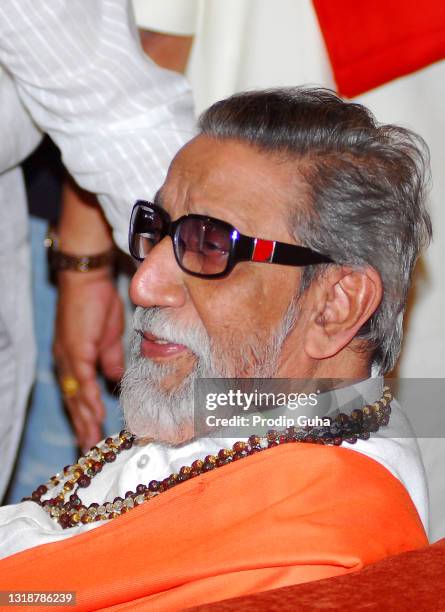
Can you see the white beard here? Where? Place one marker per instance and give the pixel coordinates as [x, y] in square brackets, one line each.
[168, 416]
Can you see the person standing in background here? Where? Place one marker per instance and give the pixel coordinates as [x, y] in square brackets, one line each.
[76, 72]
[90, 311]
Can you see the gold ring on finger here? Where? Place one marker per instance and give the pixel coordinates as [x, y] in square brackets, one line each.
[69, 385]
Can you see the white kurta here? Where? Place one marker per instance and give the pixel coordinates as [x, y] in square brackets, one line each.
[26, 524]
[76, 70]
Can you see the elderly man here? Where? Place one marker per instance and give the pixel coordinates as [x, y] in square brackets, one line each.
[281, 245]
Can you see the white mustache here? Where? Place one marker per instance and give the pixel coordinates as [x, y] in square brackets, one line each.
[159, 323]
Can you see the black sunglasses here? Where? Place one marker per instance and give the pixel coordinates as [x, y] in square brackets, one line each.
[207, 247]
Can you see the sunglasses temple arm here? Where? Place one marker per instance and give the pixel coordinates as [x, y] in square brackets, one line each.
[242, 247]
[246, 248]
[295, 255]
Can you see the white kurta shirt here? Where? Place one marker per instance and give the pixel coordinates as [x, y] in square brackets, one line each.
[75, 69]
[26, 524]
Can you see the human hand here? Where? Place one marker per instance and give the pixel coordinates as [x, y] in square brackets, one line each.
[88, 334]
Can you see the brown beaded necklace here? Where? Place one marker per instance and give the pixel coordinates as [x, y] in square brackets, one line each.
[70, 512]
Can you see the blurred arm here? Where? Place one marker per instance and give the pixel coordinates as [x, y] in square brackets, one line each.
[116, 116]
[90, 316]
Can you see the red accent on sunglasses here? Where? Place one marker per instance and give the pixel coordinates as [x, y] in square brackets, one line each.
[263, 250]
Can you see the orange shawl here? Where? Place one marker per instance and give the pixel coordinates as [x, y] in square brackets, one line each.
[291, 514]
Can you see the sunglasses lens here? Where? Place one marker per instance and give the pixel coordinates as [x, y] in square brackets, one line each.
[203, 247]
[146, 230]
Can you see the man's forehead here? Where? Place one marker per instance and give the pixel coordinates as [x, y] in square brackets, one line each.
[211, 161]
[230, 179]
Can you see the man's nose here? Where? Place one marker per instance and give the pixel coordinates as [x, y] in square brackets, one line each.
[159, 280]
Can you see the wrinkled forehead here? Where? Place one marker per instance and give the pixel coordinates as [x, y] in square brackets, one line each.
[231, 180]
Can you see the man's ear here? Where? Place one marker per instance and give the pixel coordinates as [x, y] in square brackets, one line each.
[341, 300]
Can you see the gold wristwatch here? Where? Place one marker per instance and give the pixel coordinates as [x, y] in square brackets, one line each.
[58, 260]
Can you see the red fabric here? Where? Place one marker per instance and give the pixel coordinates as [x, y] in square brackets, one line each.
[294, 513]
[371, 42]
[413, 579]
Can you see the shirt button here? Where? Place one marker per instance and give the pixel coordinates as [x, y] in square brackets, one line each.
[142, 461]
